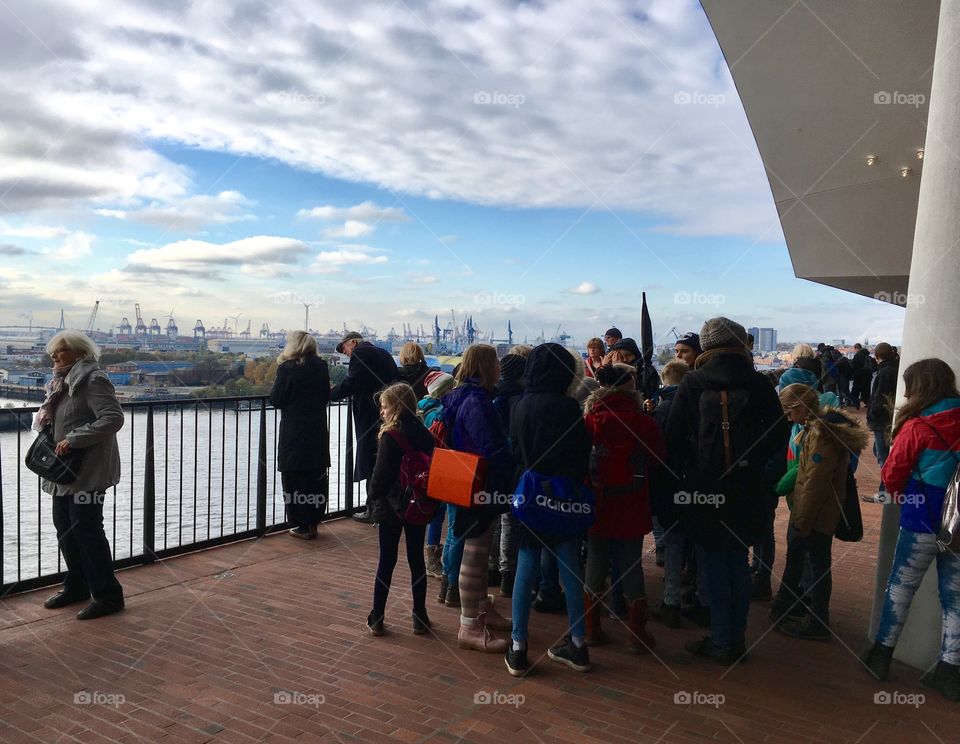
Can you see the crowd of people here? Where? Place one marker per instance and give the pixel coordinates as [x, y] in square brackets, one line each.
[582, 459]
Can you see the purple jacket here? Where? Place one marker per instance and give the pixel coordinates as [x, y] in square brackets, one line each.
[475, 427]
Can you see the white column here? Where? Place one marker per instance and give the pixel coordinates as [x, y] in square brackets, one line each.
[932, 323]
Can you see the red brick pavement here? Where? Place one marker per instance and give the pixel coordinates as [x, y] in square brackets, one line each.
[213, 643]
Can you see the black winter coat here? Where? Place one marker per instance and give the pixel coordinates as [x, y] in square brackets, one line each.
[665, 482]
[384, 496]
[371, 370]
[301, 393]
[882, 395]
[738, 520]
[413, 375]
[547, 430]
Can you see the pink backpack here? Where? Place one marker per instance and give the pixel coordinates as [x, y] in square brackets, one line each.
[414, 473]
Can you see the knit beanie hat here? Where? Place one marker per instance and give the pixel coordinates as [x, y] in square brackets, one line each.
[722, 332]
[511, 367]
[438, 383]
[692, 340]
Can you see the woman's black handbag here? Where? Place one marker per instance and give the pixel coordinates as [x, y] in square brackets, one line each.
[42, 459]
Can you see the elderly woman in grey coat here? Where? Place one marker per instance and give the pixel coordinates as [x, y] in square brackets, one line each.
[85, 414]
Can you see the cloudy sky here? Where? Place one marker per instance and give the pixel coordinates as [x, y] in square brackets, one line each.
[389, 161]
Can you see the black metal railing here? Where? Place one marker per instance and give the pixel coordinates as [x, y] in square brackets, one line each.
[195, 474]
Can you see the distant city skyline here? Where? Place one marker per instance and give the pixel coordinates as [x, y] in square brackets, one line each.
[536, 164]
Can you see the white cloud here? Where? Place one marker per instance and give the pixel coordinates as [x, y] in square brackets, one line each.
[327, 262]
[188, 214]
[532, 104]
[199, 255]
[350, 229]
[364, 212]
[76, 245]
[585, 288]
[29, 230]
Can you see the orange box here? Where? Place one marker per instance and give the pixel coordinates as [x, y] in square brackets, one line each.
[456, 477]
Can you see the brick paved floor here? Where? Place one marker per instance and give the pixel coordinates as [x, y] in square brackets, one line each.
[213, 643]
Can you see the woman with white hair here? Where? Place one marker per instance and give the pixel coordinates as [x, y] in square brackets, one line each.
[301, 393]
[82, 409]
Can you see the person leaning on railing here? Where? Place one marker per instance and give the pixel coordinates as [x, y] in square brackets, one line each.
[83, 410]
[301, 393]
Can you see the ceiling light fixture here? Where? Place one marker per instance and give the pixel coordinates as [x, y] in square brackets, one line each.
[905, 172]
[920, 154]
[872, 159]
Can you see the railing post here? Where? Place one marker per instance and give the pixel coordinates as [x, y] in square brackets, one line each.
[149, 494]
[348, 461]
[262, 471]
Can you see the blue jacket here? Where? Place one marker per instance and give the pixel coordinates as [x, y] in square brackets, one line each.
[430, 409]
[474, 426]
[922, 460]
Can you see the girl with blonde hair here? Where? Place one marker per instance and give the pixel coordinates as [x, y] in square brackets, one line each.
[401, 432]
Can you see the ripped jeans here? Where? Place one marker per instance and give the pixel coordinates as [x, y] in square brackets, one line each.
[914, 553]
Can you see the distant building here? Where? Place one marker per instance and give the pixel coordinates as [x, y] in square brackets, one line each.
[764, 339]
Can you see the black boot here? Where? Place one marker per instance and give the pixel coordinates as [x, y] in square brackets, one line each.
[442, 594]
[945, 679]
[877, 659]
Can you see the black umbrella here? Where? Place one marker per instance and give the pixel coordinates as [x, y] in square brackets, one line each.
[649, 381]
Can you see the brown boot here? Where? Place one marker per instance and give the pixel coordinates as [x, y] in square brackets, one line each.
[477, 636]
[595, 635]
[493, 619]
[640, 640]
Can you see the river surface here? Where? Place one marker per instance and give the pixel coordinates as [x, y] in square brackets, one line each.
[206, 483]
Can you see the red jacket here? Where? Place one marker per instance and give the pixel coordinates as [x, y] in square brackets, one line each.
[619, 429]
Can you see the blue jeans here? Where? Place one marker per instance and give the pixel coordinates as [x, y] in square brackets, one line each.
[435, 528]
[881, 446]
[673, 549]
[914, 553]
[567, 556]
[658, 533]
[728, 586]
[549, 573]
[452, 550]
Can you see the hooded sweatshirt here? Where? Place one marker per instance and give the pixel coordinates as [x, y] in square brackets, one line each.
[546, 428]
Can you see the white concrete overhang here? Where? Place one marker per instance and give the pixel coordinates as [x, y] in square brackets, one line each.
[826, 84]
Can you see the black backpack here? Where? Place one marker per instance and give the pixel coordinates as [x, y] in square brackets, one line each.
[728, 431]
[850, 528]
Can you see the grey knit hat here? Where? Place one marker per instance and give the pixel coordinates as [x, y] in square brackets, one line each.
[722, 333]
